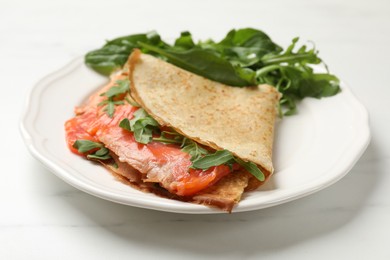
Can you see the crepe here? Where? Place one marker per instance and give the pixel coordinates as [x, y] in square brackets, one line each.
[240, 120]
[216, 116]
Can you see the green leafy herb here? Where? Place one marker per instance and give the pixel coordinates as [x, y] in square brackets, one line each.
[132, 102]
[290, 72]
[187, 145]
[84, 146]
[251, 168]
[215, 159]
[185, 41]
[202, 62]
[113, 55]
[243, 47]
[225, 157]
[193, 148]
[93, 150]
[120, 88]
[243, 57]
[171, 137]
[101, 154]
[142, 125]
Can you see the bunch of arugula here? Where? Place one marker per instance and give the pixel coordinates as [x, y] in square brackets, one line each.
[245, 57]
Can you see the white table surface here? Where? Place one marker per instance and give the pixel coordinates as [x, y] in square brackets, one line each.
[42, 217]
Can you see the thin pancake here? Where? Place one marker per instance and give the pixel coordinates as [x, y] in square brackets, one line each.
[240, 120]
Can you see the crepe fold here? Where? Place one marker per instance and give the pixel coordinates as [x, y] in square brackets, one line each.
[240, 120]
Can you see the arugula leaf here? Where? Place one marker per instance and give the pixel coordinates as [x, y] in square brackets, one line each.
[89, 147]
[201, 62]
[185, 41]
[252, 168]
[245, 46]
[187, 145]
[120, 88]
[130, 101]
[110, 108]
[114, 54]
[125, 124]
[142, 125]
[249, 37]
[84, 146]
[215, 159]
[101, 154]
[193, 148]
[225, 157]
[169, 138]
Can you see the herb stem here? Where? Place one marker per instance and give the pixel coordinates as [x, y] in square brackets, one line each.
[166, 140]
[285, 58]
[266, 69]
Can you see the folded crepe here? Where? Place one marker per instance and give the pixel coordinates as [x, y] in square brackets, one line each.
[240, 120]
[218, 117]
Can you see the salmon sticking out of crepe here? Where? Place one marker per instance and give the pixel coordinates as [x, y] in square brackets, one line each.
[168, 131]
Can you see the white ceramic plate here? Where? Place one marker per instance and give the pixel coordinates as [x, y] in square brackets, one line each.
[312, 150]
